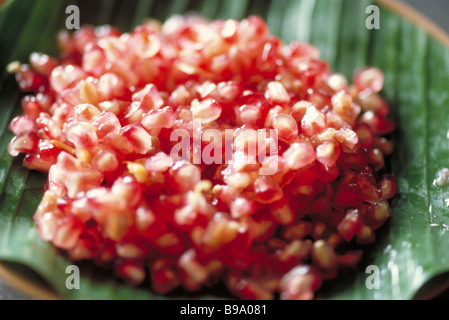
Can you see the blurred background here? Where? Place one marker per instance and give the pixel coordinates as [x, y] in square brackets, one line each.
[435, 10]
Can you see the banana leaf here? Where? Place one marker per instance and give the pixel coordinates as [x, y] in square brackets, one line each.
[411, 250]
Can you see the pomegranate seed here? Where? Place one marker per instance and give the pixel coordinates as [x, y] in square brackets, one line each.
[299, 155]
[375, 103]
[164, 276]
[299, 284]
[276, 94]
[63, 76]
[67, 233]
[267, 190]
[24, 143]
[28, 79]
[131, 271]
[282, 212]
[328, 153]
[324, 255]
[286, 126]
[298, 231]
[365, 136]
[365, 235]
[22, 125]
[241, 207]
[388, 186]
[162, 118]
[138, 137]
[48, 224]
[369, 79]
[137, 249]
[350, 225]
[82, 135]
[149, 97]
[277, 214]
[86, 113]
[313, 121]
[378, 214]
[206, 111]
[337, 82]
[196, 274]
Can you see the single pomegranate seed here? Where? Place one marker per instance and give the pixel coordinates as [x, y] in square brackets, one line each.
[299, 155]
[149, 97]
[365, 235]
[22, 125]
[378, 213]
[276, 94]
[286, 126]
[328, 153]
[388, 186]
[300, 283]
[24, 143]
[350, 225]
[337, 82]
[67, 233]
[365, 136]
[162, 118]
[82, 135]
[373, 102]
[241, 207]
[369, 79]
[137, 249]
[48, 224]
[138, 137]
[267, 190]
[64, 76]
[195, 273]
[164, 275]
[323, 255]
[298, 231]
[206, 111]
[376, 158]
[131, 271]
[313, 121]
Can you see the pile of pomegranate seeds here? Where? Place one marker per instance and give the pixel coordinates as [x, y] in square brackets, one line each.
[101, 121]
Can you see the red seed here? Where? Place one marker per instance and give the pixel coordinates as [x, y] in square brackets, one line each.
[276, 94]
[138, 137]
[131, 271]
[206, 111]
[388, 186]
[299, 155]
[286, 126]
[328, 153]
[313, 121]
[162, 118]
[82, 135]
[67, 233]
[369, 79]
[350, 225]
[267, 190]
[299, 284]
[42, 63]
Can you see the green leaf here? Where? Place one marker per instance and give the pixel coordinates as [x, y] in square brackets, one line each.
[412, 247]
